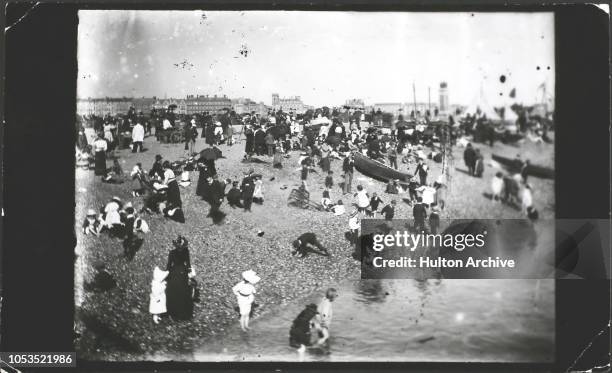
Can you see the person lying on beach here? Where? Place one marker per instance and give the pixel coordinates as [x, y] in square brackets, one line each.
[306, 243]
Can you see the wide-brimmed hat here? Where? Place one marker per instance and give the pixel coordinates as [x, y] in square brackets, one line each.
[250, 276]
[180, 242]
[159, 275]
[91, 212]
[115, 198]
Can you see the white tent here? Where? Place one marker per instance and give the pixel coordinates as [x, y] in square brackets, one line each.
[479, 106]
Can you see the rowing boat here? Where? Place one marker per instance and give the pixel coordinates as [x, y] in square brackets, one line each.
[378, 170]
[531, 170]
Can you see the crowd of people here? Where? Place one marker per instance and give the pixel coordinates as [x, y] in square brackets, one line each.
[319, 140]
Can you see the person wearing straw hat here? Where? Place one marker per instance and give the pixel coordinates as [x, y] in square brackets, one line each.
[245, 295]
[92, 223]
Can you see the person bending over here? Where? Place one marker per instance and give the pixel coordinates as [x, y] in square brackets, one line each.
[306, 243]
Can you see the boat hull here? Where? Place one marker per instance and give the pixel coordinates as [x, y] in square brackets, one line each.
[377, 170]
[531, 170]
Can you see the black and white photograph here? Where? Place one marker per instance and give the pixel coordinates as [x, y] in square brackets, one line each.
[228, 161]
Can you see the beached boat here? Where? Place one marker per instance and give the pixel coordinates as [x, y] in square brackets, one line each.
[532, 170]
[378, 170]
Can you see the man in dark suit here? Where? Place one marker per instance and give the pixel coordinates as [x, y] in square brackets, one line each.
[347, 168]
[248, 188]
[419, 212]
[469, 157]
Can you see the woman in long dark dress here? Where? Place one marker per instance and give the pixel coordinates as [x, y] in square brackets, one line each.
[250, 140]
[210, 134]
[100, 146]
[203, 174]
[178, 294]
[173, 193]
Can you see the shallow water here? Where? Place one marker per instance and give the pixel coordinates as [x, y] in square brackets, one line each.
[410, 320]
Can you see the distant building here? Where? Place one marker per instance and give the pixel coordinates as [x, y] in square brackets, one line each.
[181, 107]
[246, 105]
[444, 105]
[200, 104]
[394, 108]
[144, 104]
[355, 103]
[288, 104]
[103, 106]
[193, 104]
[403, 108]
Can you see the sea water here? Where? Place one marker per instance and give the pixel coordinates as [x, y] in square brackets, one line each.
[410, 320]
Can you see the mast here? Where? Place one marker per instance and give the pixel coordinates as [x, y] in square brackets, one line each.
[414, 99]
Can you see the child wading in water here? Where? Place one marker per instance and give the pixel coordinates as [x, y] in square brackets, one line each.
[245, 294]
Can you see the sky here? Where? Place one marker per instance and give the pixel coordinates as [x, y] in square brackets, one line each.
[324, 57]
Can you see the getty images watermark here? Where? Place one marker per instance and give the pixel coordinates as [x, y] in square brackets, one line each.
[482, 248]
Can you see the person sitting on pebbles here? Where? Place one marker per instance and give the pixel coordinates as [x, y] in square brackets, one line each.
[306, 243]
[92, 223]
[112, 217]
[233, 196]
[339, 209]
[245, 295]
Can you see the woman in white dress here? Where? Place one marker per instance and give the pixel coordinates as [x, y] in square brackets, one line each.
[245, 294]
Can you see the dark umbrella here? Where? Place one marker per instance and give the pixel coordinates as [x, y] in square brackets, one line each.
[213, 153]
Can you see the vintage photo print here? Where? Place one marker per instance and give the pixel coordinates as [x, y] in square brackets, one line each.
[315, 186]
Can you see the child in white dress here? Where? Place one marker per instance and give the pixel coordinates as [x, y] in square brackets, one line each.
[157, 304]
[245, 295]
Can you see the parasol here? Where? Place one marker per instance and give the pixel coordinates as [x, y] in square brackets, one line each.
[213, 153]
